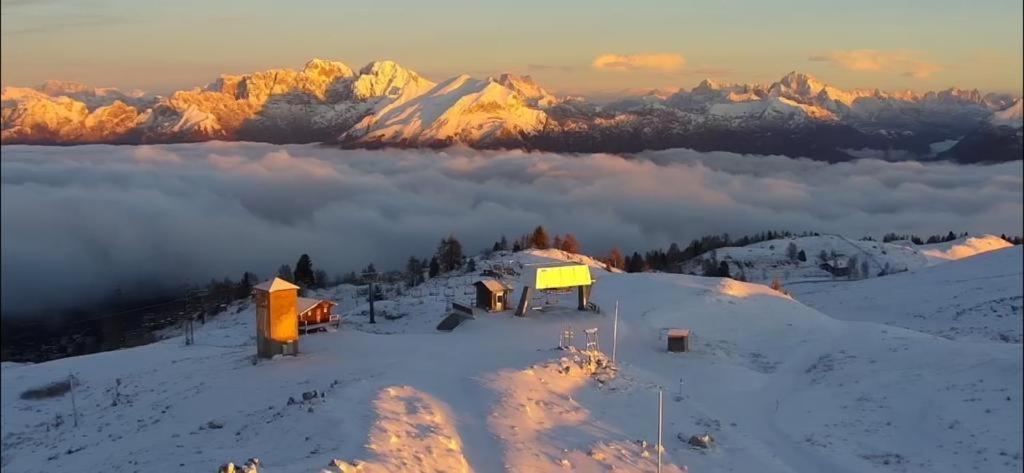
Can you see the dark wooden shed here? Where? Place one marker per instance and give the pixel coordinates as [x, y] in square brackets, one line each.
[679, 340]
[492, 295]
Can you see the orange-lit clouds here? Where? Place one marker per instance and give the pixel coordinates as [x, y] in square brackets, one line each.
[880, 61]
[663, 62]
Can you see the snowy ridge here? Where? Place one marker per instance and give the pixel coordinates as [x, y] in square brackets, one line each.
[461, 109]
[976, 298]
[1012, 116]
[964, 247]
[781, 386]
[769, 260]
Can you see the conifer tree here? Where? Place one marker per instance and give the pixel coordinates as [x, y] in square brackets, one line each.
[304, 272]
[539, 238]
[570, 244]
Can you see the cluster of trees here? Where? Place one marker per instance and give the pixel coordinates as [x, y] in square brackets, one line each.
[304, 275]
[539, 239]
[668, 260]
[794, 253]
[1017, 240]
[891, 236]
[711, 267]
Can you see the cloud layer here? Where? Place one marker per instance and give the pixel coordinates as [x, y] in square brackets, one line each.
[872, 60]
[662, 62]
[80, 221]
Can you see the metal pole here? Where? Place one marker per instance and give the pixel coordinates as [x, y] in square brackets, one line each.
[74, 406]
[188, 310]
[659, 429]
[615, 331]
[372, 319]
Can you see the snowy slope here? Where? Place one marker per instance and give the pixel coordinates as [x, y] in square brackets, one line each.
[768, 260]
[1012, 116]
[963, 247]
[977, 298]
[460, 109]
[771, 108]
[782, 388]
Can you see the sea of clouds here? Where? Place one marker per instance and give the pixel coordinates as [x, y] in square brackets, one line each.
[78, 222]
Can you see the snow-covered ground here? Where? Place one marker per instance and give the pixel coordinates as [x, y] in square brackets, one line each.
[781, 386]
[977, 298]
[962, 248]
[768, 260]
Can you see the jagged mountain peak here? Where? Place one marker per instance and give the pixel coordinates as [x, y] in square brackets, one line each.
[797, 85]
[955, 96]
[526, 87]
[388, 79]
[326, 68]
[384, 67]
[54, 88]
[711, 84]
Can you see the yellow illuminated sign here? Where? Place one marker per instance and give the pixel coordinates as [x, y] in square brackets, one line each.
[563, 276]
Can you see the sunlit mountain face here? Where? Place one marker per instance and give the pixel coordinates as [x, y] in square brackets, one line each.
[386, 105]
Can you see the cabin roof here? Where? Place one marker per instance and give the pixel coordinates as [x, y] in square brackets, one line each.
[276, 284]
[493, 285]
[303, 304]
[678, 332]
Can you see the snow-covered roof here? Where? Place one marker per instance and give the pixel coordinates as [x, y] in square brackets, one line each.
[678, 332]
[276, 284]
[303, 304]
[494, 286]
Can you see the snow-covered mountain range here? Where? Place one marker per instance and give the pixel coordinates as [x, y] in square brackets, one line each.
[385, 104]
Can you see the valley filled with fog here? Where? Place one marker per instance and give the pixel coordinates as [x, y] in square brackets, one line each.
[80, 222]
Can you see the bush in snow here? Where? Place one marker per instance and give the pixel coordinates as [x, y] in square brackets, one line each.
[251, 466]
[54, 389]
[702, 441]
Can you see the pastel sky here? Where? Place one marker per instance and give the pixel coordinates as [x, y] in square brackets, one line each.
[586, 47]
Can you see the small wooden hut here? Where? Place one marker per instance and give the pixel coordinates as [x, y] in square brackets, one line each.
[316, 314]
[492, 295]
[679, 340]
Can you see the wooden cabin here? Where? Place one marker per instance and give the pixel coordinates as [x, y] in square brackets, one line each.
[679, 340]
[277, 318]
[316, 314]
[492, 295]
[840, 269]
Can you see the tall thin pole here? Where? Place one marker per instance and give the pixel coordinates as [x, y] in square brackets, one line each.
[372, 297]
[615, 331]
[659, 429]
[74, 406]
